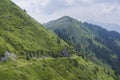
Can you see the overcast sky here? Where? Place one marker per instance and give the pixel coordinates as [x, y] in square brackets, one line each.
[107, 11]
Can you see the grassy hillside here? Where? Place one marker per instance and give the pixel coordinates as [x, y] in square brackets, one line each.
[27, 39]
[74, 68]
[21, 34]
[91, 41]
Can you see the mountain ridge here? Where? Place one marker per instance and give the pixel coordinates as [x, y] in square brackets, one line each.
[108, 26]
[41, 54]
[89, 40]
[21, 34]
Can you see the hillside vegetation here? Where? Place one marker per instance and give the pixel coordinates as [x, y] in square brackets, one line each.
[91, 41]
[29, 51]
[74, 68]
[21, 34]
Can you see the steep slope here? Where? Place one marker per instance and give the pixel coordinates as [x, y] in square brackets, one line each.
[27, 39]
[74, 68]
[21, 34]
[89, 40]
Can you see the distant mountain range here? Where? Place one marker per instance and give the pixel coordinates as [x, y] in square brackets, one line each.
[108, 26]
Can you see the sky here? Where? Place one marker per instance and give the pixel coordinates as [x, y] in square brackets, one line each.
[107, 11]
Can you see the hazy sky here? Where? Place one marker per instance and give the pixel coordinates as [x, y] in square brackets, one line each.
[84, 10]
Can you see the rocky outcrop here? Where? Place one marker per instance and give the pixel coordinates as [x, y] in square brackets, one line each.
[8, 55]
[65, 53]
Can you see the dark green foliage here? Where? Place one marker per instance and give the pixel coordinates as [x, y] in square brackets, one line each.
[89, 40]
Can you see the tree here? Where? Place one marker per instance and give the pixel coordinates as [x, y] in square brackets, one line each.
[27, 57]
[58, 40]
[24, 10]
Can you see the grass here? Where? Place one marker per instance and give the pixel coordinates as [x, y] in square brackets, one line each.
[20, 34]
[74, 68]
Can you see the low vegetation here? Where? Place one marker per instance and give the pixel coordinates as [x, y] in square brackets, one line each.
[90, 41]
[29, 51]
[74, 68]
[22, 35]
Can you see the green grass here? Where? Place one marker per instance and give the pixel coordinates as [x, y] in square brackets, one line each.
[74, 68]
[21, 34]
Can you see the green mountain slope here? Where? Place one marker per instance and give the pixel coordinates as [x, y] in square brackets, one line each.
[21, 34]
[74, 68]
[91, 41]
[27, 39]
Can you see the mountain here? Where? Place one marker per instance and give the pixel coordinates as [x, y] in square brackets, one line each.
[29, 51]
[91, 41]
[108, 26]
[21, 34]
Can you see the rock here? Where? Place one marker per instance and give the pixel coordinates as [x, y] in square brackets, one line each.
[65, 52]
[8, 55]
